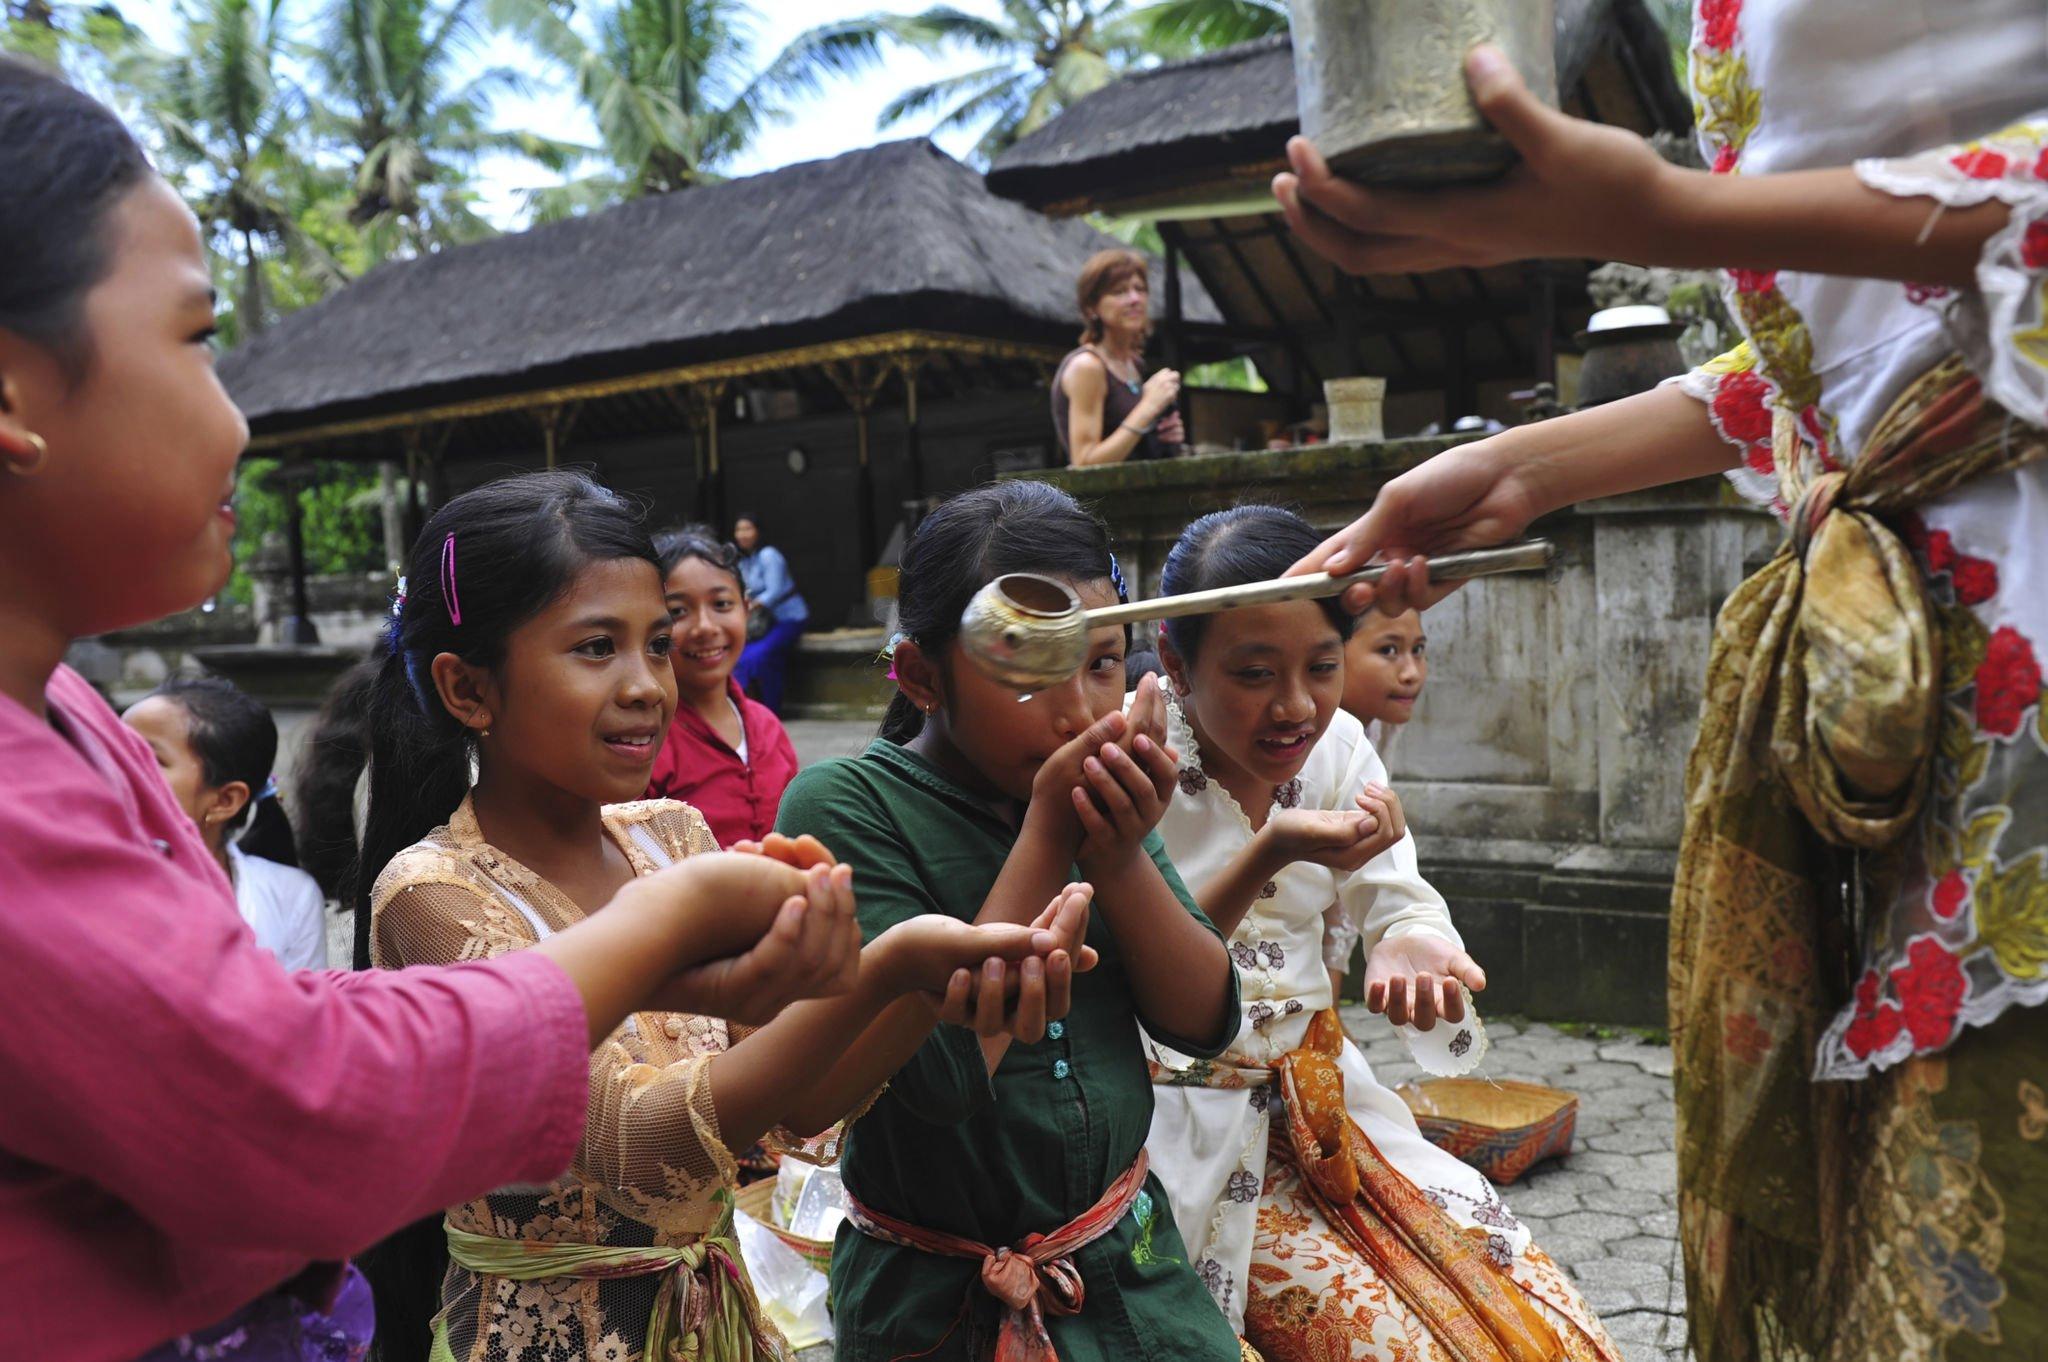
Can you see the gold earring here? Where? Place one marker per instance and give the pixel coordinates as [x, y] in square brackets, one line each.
[34, 465]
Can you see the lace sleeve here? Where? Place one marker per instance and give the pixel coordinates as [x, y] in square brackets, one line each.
[2001, 326]
[1737, 397]
[426, 910]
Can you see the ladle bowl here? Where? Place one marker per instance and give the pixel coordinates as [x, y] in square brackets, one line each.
[1030, 631]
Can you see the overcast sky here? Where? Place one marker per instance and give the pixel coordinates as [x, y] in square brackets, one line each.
[840, 119]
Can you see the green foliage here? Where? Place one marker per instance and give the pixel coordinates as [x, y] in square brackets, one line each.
[1040, 57]
[1184, 27]
[342, 519]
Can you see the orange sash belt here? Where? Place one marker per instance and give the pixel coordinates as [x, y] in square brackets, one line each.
[1473, 1308]
[1034, 1276]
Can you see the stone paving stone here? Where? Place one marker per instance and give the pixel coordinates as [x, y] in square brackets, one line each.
[1632, 1139]
[1543, 1201]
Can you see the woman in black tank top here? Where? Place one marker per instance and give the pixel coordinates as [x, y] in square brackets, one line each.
[1106, 411]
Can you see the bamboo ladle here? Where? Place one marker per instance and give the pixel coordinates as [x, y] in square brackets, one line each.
[1030, 632]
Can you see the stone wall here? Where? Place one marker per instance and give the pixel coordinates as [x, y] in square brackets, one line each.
[1543, 772]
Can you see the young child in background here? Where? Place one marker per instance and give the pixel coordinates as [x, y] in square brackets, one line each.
[1385, 666]
[1338, 1231]
[726, 755]
[216, 746]
[534, 634]
[974, 804]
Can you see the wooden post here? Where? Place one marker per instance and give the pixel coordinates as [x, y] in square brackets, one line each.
[859, 386]
[1176, 318]
[556, 420]
[913, 439]
[298, 627]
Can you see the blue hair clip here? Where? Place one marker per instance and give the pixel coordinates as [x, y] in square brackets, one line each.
[398, 599]
[269, 790]
[1116, 579]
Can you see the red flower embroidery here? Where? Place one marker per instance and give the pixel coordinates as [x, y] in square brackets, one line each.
[1746, 1038]
[1981, 164]
[2034, 245]
[1874, 1026]
[1717, 23]
[1951, 892]
[1931, 988]
[1940, 551]
[1724, 159]
[1976, 579]
[1754, 281]
[2008, 682]
[2041, 167]
[1925, 293]
[1739, 409]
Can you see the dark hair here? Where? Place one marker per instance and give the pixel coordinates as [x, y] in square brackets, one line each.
[748, 515]
[1230, 548]
[494, 557]
[507, 550]
[699, 542]
[1104, 271]
[1140, 663]
[65, 160]
[235, 738]
[324, 780]
[970, 541]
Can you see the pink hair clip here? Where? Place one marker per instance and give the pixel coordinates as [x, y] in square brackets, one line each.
[448, 580]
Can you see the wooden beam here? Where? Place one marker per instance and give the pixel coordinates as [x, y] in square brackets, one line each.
[1295, 351]
[810, 356]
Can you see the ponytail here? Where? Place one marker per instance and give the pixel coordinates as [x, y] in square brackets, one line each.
[270, 832]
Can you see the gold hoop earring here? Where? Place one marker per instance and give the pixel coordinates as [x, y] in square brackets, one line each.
[34, 465]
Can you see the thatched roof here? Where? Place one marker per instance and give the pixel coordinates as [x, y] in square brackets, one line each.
[895, 237]
[1193, 123]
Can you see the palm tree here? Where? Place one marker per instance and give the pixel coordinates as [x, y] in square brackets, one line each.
[1176, 27]
[413, 133]
[230, 126]
[1041, 56]
[672, 87]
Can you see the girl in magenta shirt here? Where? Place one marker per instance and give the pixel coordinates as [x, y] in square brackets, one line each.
[184, 1126]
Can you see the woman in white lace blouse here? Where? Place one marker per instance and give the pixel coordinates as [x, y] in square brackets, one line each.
[1860, 927]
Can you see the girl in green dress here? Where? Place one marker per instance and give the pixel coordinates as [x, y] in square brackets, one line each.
[1000, 1185]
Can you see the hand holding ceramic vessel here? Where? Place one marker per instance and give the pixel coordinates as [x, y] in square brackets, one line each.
[1580, 189]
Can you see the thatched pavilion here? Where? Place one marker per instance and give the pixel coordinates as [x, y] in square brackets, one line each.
[822, 344]
[1196, 143]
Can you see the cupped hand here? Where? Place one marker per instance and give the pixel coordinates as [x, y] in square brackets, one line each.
[1414, 980]
[812, 950]
[1579, 190]
[1342, 840]
[1018, 999]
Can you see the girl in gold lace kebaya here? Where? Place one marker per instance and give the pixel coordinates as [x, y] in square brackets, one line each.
[532, 634]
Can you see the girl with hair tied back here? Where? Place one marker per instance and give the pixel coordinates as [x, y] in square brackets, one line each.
[216, 746]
